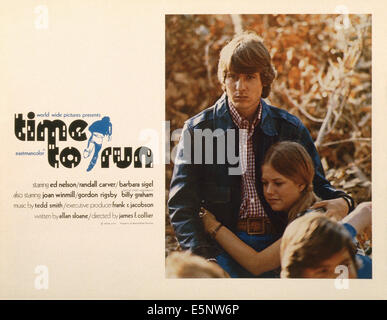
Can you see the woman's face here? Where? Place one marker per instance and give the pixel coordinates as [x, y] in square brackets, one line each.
[279, 191]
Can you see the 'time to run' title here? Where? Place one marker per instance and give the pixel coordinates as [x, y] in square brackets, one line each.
[70, 157]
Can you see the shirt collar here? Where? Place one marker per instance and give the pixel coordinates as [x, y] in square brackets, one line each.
[240, 121]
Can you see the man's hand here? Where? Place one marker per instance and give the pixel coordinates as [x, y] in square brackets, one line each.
[335, 208]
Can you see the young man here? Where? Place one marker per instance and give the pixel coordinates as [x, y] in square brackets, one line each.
[234, 195]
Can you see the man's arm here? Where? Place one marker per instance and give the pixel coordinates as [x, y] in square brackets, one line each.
[337, 203]
[184, 200]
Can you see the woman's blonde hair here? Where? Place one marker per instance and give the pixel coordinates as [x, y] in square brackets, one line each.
[311, 239]
[291, 160]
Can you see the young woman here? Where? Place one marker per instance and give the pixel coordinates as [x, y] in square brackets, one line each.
[287, 175]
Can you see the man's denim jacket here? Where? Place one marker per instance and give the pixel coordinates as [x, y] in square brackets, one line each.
[196, 183]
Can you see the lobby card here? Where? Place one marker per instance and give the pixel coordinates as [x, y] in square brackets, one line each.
[95, 95]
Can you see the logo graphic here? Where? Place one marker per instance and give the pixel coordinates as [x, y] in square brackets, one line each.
[99, 129]
[54, 131]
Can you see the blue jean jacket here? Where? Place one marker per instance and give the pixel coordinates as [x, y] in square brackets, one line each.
[196, 183]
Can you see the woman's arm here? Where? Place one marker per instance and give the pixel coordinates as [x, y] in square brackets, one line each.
[253, 261]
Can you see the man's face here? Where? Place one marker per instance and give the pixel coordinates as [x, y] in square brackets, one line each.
[244, 91]
[327, 268]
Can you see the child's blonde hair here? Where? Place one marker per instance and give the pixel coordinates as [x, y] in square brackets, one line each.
[184, 264]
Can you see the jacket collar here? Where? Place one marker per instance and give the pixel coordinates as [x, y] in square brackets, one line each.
[222, 117]
[267, 123]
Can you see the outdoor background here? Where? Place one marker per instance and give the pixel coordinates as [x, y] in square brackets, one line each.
[323, 65]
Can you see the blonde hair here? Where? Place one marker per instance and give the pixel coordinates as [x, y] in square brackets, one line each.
[246, 53]
[184, 264]
[311, 239]
[291, 160]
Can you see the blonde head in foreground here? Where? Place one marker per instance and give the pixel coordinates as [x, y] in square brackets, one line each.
[184, 264]
[313, 246]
